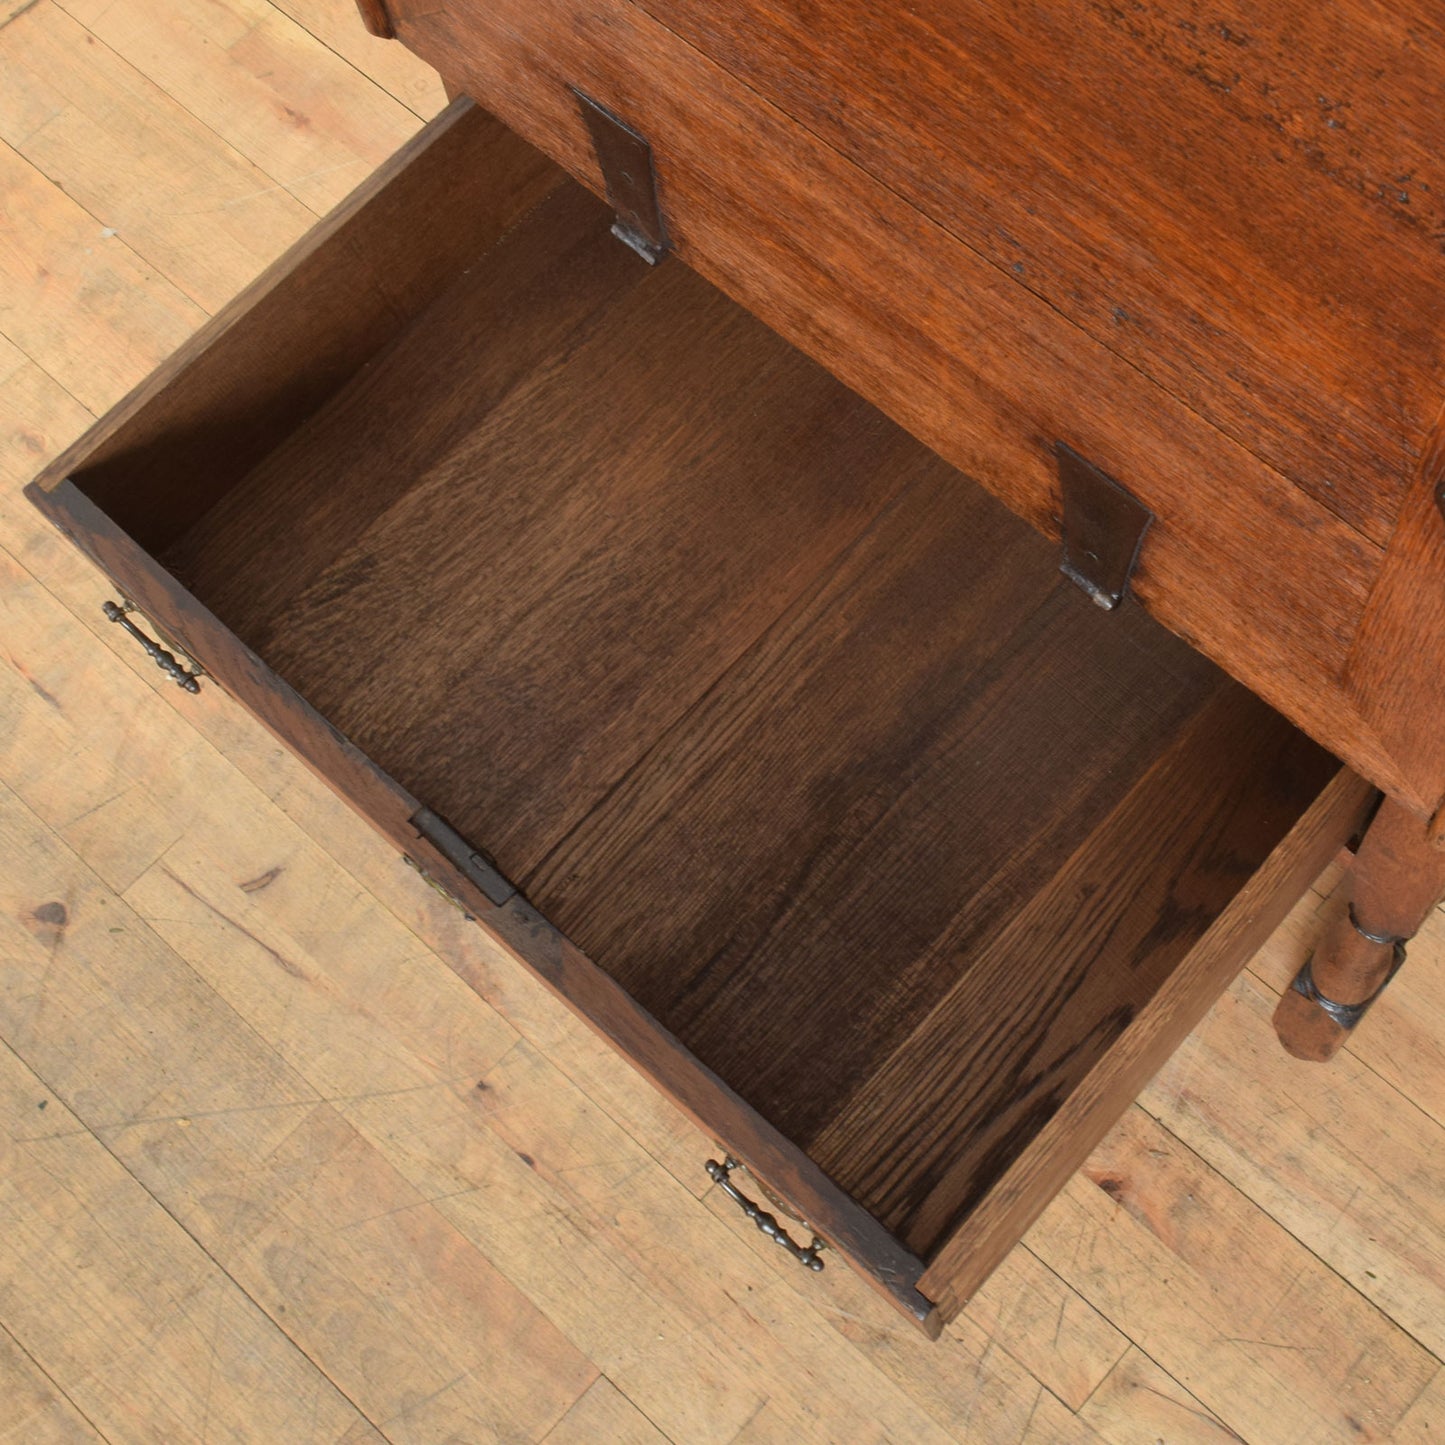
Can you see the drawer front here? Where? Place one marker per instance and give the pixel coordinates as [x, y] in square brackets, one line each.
[1240, 562]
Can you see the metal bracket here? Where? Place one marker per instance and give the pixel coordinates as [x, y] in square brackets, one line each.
[627, 170]
[1104, 528]
[471, 862]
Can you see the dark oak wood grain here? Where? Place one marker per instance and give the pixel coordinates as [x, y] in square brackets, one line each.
[1061, 1145]
[798, 870]
[1040, 1000]
[536, 295]
[850, 822]
[591, 545]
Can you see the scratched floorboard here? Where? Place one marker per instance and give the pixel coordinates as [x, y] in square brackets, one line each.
[250, 1187]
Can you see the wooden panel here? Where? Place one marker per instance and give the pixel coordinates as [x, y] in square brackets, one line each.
[597, 514]
[414, 406]
[1396, 670]
[797, 872]
[1051, 991]
[1147, 1041]
[201, 420]
[1242, 200]
[973, 364]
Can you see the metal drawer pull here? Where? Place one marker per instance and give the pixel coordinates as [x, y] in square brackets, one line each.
[766, 1222]
[164, 660]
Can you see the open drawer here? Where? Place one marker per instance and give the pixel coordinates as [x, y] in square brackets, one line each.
[776, 746]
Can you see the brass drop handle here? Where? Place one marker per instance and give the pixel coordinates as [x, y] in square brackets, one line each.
[719, 1173]
[164, 660]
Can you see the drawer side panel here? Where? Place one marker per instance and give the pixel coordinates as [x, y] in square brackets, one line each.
[965, 1259]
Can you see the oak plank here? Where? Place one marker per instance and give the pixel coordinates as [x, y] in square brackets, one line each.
[1041, 1167]
[869, 844]
[106, 1291]
[273, 92]
[145, 168]
[951, 1110]
[1395, 670]
[1140, 1404]
[1352, 1168]
[126, 317]
[1276, 1344]
[605, 532]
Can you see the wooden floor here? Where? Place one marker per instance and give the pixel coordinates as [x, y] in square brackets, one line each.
[269, 1172]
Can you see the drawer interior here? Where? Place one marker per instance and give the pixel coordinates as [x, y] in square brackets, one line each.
[791, 728]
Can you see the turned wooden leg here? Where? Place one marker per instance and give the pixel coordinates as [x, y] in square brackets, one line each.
[1398, 877]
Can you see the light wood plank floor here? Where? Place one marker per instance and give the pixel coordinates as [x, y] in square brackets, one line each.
[270, 1172]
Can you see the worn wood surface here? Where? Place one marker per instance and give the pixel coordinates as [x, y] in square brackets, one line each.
[1149, 1330]
[981, 369]
[1243, 200]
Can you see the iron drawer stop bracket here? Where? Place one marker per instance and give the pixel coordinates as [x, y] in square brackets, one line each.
[165, 660]
[807, 1257]
[625, 160]
[1103, 527]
